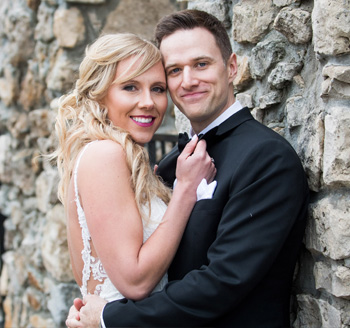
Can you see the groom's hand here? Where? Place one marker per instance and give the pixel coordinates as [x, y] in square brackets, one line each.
[73, 319]
[90, 313]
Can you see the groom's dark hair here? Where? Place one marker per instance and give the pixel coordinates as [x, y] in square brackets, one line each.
[189, 19]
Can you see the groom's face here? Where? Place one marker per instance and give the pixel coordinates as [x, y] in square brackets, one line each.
[199, 81]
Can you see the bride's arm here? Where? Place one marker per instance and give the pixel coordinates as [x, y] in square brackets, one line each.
[114, 221]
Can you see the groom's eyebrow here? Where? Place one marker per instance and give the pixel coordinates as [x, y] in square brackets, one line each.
[193, 60]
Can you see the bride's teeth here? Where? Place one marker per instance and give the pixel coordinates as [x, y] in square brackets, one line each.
[142, 119]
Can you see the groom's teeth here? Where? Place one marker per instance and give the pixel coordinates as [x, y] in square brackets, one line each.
[142, 119]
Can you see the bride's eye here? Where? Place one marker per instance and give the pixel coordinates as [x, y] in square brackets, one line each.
[129, 87]
[158, 89]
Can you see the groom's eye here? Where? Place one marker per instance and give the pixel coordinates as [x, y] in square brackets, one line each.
[173, 71]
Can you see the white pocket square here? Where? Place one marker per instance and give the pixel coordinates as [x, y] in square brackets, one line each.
[205, 190]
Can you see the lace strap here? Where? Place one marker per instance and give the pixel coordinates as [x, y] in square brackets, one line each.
[86, 252]
[75, 173]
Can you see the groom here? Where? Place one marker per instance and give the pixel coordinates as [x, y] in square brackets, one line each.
[235, 264]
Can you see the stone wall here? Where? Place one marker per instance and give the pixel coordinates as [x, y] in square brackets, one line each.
[294, 74]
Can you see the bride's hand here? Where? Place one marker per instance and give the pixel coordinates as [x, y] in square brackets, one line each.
[195, 164]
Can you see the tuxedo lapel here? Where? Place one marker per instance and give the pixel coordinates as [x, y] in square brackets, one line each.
[167, 166]
[234, 121]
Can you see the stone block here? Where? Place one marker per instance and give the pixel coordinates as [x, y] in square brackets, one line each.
[295, 24]
[54, 247]
[306, 130]
[266, 54]
[283, 3]
[328, 228]
[18, 29]
[23, 177]
[8, 86]
[5, 156]
[336, 161]
[218, 8]
[331, 27]
[333, 278]
[252, 20]
[269, 99]
[68, 27]
[40, 321]
[62, 74]
[335, 89]
[337, 72]
[245, 99]
[317, 313]
[243, 76]
[46, 189]
[282, 74]
[41, 122]
[60, 296]
[87, 1]
[32, 88]
[144, 17]
[44, 27]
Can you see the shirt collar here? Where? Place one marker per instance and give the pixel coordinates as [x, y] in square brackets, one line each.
[234, 108]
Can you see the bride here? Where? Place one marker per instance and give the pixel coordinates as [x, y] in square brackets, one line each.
[123, 229]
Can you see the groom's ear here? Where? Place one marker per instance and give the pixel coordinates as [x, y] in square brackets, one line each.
[232, 67]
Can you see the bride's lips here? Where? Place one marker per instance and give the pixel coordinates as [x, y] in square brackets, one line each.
[144, 121]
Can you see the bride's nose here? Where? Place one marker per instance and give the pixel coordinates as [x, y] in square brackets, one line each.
[146, 101]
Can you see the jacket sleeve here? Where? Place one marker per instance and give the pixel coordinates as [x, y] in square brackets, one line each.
[267, 196]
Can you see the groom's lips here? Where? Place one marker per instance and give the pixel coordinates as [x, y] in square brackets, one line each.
[193, 95]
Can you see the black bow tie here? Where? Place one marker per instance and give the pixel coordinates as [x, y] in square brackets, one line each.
[184, 139]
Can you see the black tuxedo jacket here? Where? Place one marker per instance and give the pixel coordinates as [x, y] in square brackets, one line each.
[235, 263]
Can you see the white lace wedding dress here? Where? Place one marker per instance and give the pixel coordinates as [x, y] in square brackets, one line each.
[92, 265]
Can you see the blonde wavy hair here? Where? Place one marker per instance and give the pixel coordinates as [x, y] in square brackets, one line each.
[82, 117]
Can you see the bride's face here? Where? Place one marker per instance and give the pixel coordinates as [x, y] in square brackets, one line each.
[138, 105]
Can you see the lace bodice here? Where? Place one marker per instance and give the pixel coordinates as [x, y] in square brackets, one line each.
[93, 267]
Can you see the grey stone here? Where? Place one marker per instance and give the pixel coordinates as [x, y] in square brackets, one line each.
[87, 1]
[282, 74]
[68, 27]
[317, 313]
[295, 24]
[265, 55]
[335, 89]
[54, 246]
[46, 189]
[218, 8]
[328, 230]
[144, 17]
[60, 296]
[337, 72]
[63, 72]
[269, 99]
[336, 163]
[333, 278]
[246, 100]
[252, 20]
[331, 27]
[44, 28]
